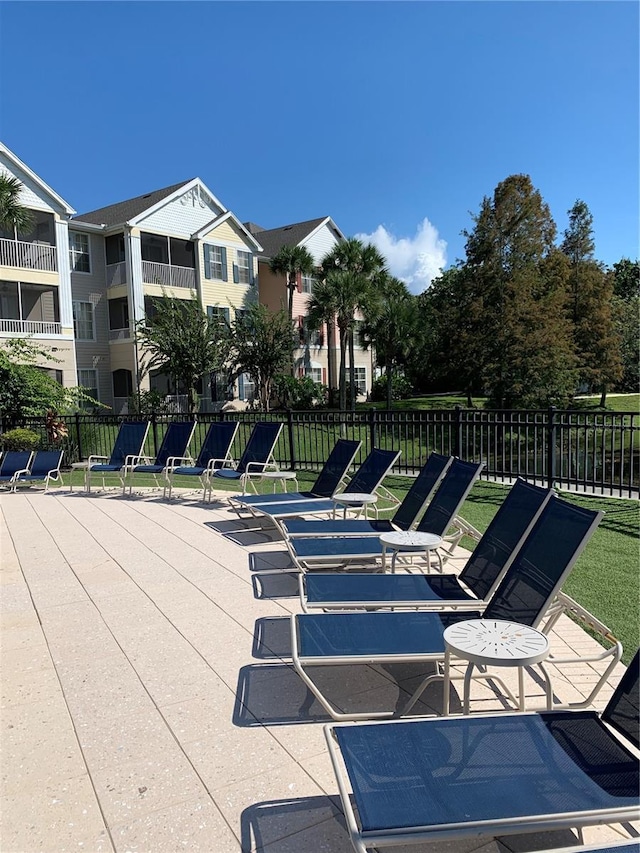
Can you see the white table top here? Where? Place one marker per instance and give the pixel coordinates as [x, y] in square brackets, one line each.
[279, 475]
[410, 540]
[84, 464]
[495, 642]
[355, 498]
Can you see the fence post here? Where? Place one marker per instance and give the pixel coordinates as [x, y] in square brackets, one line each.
[292, 452]
[457, 437]
[154, 428]
[372, 428]
[78, 437]
[551, 447]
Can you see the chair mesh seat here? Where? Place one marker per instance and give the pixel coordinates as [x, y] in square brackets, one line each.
[354, 546]
[383, 588]
[281, 497]
[440, 772]
[105, 467]
[148, 469]
[358, 635]
[186, 470]
[340, 526]
[227, 474]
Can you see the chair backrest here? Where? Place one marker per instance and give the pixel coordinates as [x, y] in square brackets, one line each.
[217, 442]
[500, 543]
[451, 494]
[14, 460]
[336, 466]
[44, 461]
[421, 490]
[176, 440]
[262, 441]
[129, 441]
[623, 711]
[372, 471]
[542, 563]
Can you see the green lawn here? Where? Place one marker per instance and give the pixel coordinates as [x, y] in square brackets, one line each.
[615, 403]
[605, 580]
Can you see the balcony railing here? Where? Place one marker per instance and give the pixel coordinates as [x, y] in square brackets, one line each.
[30, 327]
[32, 256]
[116, 274]
[120, 334]
[168, 276]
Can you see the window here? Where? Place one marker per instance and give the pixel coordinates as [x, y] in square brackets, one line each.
[221, 388]
[114, 249]
[315, 373]
[308, 337]
[308, 282]
[246, 387]
[215, 262]
[88, 381]
[154, 248]
[122, 383]
[361, 380]
[244, 268]
[223, 314]
[83, 327]
[79, 252]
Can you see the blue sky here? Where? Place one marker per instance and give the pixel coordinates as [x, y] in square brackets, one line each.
[395, 118]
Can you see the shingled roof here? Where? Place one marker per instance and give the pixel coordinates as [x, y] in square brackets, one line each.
[123, 211]
[272, 240]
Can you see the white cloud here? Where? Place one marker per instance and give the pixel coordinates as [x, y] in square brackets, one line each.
[418, 260]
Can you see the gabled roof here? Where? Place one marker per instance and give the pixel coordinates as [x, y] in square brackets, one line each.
[125, 211]
[226, 217]
[291, 235]
[58, 200]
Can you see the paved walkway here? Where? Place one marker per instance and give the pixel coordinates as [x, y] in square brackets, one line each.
[147, 702]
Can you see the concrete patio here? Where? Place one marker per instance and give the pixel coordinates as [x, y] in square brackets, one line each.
[148, 703]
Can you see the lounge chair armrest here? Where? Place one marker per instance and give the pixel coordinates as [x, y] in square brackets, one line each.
[16, 474]
[132, 461]
[224, 463]
[95, 458]
[177, 461]
[259, 467]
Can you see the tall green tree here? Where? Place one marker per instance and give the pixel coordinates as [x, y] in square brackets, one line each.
[522, 339]
[596, 342]
[348, 274]
[391, 326]
[292, 261]
[321, 310]
[626, 279]
[13, 214]
[260, 344]
[625, 276]
[179, 339]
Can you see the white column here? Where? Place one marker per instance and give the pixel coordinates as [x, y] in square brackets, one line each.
[64, 273]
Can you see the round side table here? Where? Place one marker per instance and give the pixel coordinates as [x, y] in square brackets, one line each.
[408, 541]
[355, 499]
[283, 477]
[78, 466]
[493, 642]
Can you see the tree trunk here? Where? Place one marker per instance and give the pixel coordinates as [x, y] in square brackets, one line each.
[291, 286]
[342, 376]
[603, 397]
[331, 380]
[389, 387]
[352, 373]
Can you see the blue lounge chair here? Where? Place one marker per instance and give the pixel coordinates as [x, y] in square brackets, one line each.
[524, 595]
[172, 452]
[128, 445]
[341, 552]
[473, 586]
[13, 461]
[404, 517]
[43, 466]
[328, 481]
[215, 453]
[366, 481]
[416, 781]
[257, 457]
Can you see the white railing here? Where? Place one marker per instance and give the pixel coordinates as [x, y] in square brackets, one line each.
[30, 327]
[116, 274]
[33, 256]
[168, 276]
[120, 334]
[177, 403]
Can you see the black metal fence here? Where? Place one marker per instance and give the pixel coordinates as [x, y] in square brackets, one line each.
[584, 451]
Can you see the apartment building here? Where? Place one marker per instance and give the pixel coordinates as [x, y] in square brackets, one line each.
[312, 358]
[35, 274]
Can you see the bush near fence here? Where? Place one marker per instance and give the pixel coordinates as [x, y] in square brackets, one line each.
[584, 451]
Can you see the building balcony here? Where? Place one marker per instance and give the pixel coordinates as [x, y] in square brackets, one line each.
[167, 275]
[32, 256]
[125, 334]
[116, 274]
[29, 327]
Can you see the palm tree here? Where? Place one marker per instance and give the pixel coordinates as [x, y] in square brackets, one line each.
[322, 309]
[292, 261]
[13, 214]
[392, 326]
[349, 270]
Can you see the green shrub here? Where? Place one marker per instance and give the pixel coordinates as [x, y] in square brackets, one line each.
[299, 393]
[20, 439]
[400, 389]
